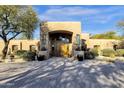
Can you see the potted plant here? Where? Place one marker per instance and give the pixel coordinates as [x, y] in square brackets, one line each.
[11, 57]
[89, 55]
[43, 49]
[80, 57]
[42, 55]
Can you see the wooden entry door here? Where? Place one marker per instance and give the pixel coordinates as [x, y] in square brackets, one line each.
[63, 49]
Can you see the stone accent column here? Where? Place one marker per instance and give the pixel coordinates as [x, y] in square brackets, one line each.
[40, 39]
[47, 42]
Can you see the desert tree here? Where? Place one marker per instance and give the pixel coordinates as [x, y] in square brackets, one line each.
[120, 24]
[107, 35]
[13, 22]
[31, 22]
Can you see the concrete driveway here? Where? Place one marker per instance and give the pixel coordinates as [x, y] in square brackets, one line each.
[62, 73]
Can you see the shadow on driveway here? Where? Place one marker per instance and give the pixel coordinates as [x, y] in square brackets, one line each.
[62, 73]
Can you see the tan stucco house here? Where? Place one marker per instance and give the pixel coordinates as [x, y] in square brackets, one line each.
[61, 39]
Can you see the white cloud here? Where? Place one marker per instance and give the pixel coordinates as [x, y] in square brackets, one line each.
[97, 15]
[104, 18]
[70, 11]
[58, 13]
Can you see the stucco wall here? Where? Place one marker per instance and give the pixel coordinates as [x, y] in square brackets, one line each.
[1, 46]
[104, 43]
[85, 36]
[74, 27]
[25, 44]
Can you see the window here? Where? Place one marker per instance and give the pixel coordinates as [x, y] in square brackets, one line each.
[78, 39]
[64, 39]
[96, 46]
[32, 47]
[14, 48]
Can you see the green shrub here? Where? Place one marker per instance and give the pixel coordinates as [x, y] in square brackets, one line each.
[89, 55]
[120, 52]
[109, 52]
[20, 52]
[29, 56]
[121, 44]
[94, 51]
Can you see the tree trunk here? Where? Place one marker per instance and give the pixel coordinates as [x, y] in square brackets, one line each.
[5, 49]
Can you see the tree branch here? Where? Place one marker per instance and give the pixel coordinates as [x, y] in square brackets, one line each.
[17, 33]
[9, 32]
[7, 23]
[1, 36]
[14, 36]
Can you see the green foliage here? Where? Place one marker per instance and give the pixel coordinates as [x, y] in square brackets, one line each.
[20, 53]
[120, 52]
[29, 56]
[108, 52]
[94, 51]
[121, 44]
[15, 20]
[107, 35]
[31, 22]
[120, 24]
[89, 55]
[26, 55]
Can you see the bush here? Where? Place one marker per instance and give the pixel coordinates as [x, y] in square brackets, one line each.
[29, 56]
[109, 52]
[120, 52]
[89, 55]
[121, 44]
[20, 52]
[94, 51]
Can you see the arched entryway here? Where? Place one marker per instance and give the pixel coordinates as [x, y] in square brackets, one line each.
[59, 43]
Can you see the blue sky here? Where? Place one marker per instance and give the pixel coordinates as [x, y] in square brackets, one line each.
[94, 18]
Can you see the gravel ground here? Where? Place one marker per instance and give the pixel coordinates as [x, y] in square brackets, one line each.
[62, 73]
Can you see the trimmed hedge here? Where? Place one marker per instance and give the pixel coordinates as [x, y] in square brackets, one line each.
[120, 52]
[29, 56]
[94, 51]
[26, 55]
[89, 55]
[20, 52]
[109, 52]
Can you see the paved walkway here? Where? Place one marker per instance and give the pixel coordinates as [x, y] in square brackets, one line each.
[60, 72]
